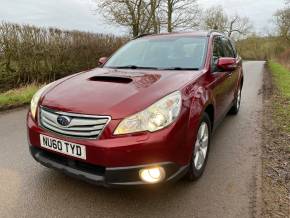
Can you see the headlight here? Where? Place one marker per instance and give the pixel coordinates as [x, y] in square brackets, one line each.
[158, 116]
[35, 99]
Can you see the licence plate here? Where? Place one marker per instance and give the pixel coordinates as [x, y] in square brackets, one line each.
[64, 147]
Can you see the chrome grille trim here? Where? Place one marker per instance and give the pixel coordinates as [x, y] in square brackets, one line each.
[81, 126]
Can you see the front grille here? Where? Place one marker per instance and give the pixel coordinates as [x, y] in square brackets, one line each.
[80, 126]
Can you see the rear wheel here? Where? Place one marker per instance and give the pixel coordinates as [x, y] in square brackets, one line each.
[237, 104]
[200, 149]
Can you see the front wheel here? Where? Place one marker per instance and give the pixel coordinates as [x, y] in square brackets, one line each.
[200, 149]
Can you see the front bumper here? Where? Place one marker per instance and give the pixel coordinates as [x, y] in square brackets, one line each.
[109, 177]
[115, 161]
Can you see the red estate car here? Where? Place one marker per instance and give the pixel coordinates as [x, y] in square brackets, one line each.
[146, 116]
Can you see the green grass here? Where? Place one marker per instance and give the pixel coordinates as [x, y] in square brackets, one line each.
[281, 78]
[281, 103]
[17, 97]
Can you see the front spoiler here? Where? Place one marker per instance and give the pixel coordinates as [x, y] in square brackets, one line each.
[108, 177]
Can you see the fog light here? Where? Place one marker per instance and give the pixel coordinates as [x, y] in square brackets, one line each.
[152, 175]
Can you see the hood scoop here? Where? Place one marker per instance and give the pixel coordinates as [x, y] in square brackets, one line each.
[111, 79]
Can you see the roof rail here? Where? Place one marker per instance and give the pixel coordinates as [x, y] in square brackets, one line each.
[214, 31]
[143, 35]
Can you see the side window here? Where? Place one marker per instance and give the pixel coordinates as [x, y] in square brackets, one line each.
[218, 51]
[228, 49]
[234, 48]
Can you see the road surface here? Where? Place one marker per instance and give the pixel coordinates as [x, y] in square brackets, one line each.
[227, 189]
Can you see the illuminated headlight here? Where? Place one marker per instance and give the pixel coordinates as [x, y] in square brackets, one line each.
[152, 175]
[158, 116]
[35, 100]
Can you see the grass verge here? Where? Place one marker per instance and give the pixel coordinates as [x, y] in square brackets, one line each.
[281, 78]
[281, 102]
[17, 97]
[276, 142]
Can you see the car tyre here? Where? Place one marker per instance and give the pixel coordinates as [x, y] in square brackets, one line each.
[237, 103]
[200, 149]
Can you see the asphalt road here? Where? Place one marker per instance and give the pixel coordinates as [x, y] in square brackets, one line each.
[229, 187]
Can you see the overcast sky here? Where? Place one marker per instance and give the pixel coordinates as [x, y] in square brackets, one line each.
[80, 14]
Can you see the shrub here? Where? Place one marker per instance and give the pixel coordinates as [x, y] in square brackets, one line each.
[262, 48]
[29, 54]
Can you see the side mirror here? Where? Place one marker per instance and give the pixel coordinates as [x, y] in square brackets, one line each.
[227, 64]
[102, 61]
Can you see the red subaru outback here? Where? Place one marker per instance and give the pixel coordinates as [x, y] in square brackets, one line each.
[146, 116]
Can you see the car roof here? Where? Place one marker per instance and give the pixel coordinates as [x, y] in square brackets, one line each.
[176, 34]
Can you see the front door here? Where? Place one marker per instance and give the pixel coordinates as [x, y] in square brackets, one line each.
[222, 81]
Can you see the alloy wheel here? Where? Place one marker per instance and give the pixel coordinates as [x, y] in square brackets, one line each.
[201, 146]
[239, 98]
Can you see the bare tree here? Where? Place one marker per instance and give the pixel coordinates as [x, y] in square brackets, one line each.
[215, 18]
[155, 15]
[143, 16]
[239, 25]
[180, 14]
[282, 19]
[137, 15]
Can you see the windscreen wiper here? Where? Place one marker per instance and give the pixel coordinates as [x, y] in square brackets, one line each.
[135, 67]
[180, 68]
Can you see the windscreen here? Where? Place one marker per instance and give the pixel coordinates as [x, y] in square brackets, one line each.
[161, 53]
